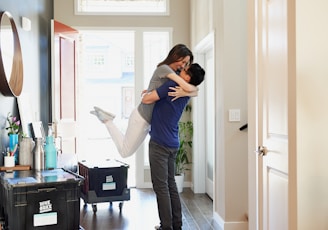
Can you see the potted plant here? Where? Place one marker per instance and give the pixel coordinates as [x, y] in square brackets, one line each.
[182, 160]
[13, 133]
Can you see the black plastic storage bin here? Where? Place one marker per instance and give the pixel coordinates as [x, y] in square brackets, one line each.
[105, 181]
[48, 199]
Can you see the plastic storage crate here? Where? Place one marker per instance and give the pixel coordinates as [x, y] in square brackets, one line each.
[48, 199]
[105, 181]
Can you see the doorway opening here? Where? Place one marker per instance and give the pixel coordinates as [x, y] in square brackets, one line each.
[114, 66]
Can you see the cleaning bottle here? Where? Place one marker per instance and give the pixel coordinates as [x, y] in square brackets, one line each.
[50, 151]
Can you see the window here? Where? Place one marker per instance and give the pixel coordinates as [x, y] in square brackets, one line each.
[122, 7]
[156, 46]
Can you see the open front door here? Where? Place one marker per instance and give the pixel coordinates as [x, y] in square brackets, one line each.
[64, 115]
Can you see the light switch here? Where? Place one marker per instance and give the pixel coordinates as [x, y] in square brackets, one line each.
[234, 115]
[26, 24]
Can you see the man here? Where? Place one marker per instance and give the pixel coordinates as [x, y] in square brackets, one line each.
[164, 144]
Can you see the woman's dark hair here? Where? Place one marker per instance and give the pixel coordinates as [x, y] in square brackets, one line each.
[177, 53]
[196, 73]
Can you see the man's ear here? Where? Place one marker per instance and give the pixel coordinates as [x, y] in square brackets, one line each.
[188, 78]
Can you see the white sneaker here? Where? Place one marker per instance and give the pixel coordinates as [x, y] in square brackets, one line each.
[96, 114]
[158, 227]
[105, 113]
[101, 116]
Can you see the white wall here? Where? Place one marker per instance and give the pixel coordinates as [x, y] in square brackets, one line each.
[312, 114]
[227, 19]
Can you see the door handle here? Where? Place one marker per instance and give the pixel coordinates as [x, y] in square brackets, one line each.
[262, 151]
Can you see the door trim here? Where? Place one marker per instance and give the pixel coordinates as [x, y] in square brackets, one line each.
[252, 140]
[199, 162]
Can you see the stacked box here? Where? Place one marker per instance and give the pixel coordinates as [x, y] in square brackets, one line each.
[104, 181]
[48, 199]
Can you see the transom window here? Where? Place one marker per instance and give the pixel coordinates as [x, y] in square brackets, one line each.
[122, 7]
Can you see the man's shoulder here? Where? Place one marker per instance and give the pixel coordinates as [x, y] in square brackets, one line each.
[169, 83]
[164, 89]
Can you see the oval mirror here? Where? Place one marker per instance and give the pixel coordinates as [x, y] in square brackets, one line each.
[11, 64]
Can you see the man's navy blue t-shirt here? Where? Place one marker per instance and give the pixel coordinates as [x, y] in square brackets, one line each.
[166, 116]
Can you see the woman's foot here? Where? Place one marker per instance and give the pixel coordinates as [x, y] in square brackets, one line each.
[102, 115]
[105, 113]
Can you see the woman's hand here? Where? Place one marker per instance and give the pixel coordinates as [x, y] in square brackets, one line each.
[176, 92]
[143, 92]
[179, 92]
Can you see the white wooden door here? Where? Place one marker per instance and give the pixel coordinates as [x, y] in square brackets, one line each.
[64, 102]
[272, 69]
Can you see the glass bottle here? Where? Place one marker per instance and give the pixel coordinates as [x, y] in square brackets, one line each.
[50, 151]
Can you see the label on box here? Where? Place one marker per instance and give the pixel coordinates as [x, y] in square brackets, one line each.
[109, 186]
[109, 179]
[45, 206]
[43, 219]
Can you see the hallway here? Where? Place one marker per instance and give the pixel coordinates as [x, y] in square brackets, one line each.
[140, 212]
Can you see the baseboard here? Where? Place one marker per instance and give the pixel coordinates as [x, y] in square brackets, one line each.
[242, 225]
[186, 184]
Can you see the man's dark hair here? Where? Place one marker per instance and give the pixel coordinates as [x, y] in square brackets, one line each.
[196, 73]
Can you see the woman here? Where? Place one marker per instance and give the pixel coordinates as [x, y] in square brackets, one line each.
[139, 121]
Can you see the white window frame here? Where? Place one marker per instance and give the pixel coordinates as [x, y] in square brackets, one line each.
[126, 12]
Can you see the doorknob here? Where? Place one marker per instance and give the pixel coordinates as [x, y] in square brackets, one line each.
[262, 151]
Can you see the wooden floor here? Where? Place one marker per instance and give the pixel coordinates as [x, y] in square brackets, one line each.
[140, 212]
